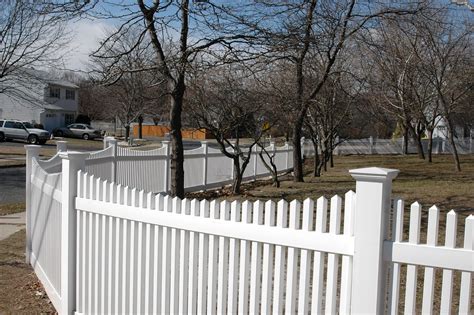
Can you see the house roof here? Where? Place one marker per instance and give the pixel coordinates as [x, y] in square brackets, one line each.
[50, 78]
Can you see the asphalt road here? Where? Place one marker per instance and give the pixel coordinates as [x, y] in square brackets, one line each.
[12, 184]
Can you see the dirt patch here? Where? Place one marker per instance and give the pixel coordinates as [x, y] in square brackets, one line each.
[20, 290]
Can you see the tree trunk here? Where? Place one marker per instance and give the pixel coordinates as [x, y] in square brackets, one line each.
[331, 157]
[405, 140]
[297, 158]
[457, 164]
[127, 132]
[140, 127]
[417, 138]
[177, 153]
[430, 145]
[316, 159]
[237, 177]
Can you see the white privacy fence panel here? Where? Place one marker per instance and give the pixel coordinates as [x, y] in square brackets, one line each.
[101, 163]
[146, 253]
[204, 167]
[393, 146]
[44, 226]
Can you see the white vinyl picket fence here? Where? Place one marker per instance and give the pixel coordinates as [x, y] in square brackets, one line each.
[113, 249]
[204, 167]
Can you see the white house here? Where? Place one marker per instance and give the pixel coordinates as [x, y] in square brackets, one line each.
[41, 99]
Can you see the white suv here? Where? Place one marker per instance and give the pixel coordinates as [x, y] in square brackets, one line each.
[15, 129]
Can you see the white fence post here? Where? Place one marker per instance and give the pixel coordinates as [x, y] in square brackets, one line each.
[205, 146]
[32, 151]
[61, 146]
[166, 145]
[373, 190]
[113, 143]
[71, 163]
[287, 162]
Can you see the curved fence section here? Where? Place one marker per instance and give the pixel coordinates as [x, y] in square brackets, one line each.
[44, 226]
[204, 167]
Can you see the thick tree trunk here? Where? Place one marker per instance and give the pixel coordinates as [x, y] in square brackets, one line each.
[316, 159]
[405, 140]
[177, 153]
[140, 127]
[297, 158]
[457, 163]
[419, 146]
[430, 145]
[331, 157]
[237, 177]
[127, 132]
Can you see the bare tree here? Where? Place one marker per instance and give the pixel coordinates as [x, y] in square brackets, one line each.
[177, 32]
[447, 62]
[228, 104]
[293, 31]
[31, 36]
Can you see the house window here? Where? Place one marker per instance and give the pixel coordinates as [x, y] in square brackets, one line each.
[68, 119]
[54, 92]
[50, 115]
[70, 94]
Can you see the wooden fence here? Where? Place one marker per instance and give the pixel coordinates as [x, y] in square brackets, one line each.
[118, 249]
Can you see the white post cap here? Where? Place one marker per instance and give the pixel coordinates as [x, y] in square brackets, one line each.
[374, 174]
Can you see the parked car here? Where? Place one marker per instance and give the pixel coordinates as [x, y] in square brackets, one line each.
[19, 130]
[83, 131]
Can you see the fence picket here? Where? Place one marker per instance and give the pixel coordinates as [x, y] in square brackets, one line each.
[193, 259]
[174, 260]
[102, 251]
[202, 261]
[157, 253]
[333, 259]
[280, 255]
[184, 259]
[305, 261]
[429, 277]
[292, 264]
[213, 255]
[318, 262]
[256, 261]
[412, 271]
[397, 236]
[223, 261]
[244, 271]
[140, 262]
[165, 260]
[267, 267]
[447, 284]
[346, 269]
[148, 248]
[466, 277]
[233, 262]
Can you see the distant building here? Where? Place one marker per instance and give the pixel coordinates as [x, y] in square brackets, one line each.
[41, 99]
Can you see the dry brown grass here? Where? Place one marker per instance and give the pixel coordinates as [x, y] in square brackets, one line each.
[20, 290]
[11, 208]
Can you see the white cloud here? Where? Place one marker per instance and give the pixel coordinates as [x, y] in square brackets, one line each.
[86, 35]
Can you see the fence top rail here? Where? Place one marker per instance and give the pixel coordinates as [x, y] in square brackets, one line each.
[265, 222]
